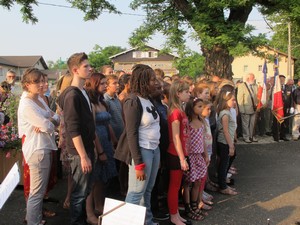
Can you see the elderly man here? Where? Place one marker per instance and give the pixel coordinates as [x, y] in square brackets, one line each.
[11, 79]
[247, 102]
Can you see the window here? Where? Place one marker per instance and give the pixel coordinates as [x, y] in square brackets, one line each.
[148, 54]
[259, 67]
[136, 54]
[245, 68]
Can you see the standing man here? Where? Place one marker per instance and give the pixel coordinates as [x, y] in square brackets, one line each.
[11, 79]
[80, 134]
[296, 119]
[247, 102]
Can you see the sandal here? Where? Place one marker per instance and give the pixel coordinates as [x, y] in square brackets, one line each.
[191, 214]
[207, 196]
[48, 213]
[228, 191]
[204, 206]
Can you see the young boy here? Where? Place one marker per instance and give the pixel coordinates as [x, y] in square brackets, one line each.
[114, 105]
[80, 134]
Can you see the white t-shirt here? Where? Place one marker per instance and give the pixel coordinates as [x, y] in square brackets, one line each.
[87, 98]
[149, 130]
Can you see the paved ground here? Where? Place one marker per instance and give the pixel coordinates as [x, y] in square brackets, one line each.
[268, 182]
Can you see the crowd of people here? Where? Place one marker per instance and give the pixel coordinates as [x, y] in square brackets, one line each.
[149, 139]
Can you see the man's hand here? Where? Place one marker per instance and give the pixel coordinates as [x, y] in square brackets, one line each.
[86, 165]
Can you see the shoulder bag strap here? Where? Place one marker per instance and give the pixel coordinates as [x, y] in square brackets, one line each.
[252, 100]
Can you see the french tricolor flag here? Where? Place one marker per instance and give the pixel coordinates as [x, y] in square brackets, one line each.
[262, 89]
[277, 102]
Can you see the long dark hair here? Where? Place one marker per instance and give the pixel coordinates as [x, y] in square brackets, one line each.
[140, 79]
[123, 80]
[91, 86]
[189, 109]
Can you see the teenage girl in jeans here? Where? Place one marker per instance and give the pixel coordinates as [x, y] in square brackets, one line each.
[138, 144]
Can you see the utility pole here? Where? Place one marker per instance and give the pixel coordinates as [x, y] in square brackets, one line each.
[289, 66]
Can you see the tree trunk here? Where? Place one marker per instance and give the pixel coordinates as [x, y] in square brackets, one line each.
[218, 62]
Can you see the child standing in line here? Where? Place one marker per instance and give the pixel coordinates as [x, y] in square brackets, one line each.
[202, 91]
[208, 140]
[177, 151]
[198, 158]
[225, 142]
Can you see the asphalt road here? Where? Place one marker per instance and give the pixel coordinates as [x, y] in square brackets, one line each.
[268, 183]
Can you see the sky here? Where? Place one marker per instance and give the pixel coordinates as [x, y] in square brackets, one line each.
[62, 31]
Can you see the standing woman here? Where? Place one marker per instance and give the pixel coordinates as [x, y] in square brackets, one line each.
[37, 122]
[103, 172]
[138, 144]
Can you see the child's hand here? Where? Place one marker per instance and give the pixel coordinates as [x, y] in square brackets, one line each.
[184, 165]
[231, 150]
[207, 161]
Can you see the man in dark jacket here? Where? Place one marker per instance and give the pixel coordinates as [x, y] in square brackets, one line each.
[80, 134]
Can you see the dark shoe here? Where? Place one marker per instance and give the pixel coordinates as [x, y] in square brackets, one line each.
[161, 216]
[284, 138]
[269, 133]
[49, 199]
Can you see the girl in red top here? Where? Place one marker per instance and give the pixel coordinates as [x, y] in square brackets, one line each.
[177, 151]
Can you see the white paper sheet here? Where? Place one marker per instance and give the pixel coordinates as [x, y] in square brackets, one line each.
[128, 214]
[8, 185]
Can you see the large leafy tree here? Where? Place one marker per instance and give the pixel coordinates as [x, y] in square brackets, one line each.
[219, 26]
[192, 64]
[58, 64]
[279, 24]
[100, 56]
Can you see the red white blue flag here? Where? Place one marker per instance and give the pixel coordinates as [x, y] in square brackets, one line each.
[277, 102]
[262, 89]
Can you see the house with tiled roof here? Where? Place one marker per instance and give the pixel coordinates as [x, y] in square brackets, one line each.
[252, 63]
[19, 64]
[149, 55]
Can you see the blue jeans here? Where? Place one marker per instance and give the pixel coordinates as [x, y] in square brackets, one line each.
[80, 190]
[139, 192]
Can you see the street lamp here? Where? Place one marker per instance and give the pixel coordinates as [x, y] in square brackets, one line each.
[289, 66]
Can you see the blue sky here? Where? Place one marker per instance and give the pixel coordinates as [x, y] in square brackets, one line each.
[61, 32]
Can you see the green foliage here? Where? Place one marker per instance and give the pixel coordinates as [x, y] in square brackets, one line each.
[59, 64]
[219, 25]
[26, 9]
[100, 56]
[191, 64]
[279, 24]
[9, 133]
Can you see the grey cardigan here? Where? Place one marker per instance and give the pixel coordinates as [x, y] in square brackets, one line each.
[128, 144]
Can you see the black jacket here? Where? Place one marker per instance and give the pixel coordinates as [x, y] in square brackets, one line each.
[78, 119]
